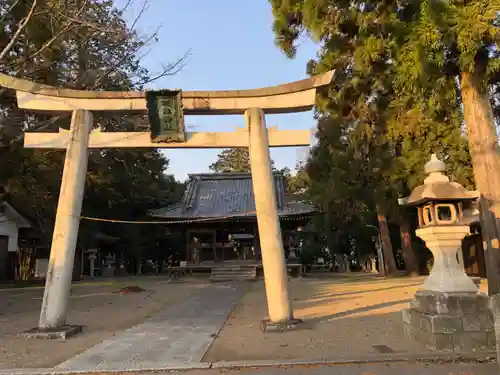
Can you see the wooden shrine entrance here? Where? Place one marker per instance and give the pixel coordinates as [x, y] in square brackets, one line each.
[218, 246]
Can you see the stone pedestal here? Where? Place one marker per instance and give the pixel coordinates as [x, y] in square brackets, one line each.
[450, 322]
[449, 314]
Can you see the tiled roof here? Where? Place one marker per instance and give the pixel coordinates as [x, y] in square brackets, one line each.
[218, 195]
[7, 210]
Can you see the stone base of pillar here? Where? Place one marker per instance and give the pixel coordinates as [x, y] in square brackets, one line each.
[289, 325]
[62, 333]
[450, 322]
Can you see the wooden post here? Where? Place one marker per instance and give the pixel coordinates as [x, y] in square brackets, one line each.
[490, 245]
[214, 246]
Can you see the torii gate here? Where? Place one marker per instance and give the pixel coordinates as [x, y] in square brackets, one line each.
[166, 109]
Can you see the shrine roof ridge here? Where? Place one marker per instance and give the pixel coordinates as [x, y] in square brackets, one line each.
[226, 175]
[222, 195]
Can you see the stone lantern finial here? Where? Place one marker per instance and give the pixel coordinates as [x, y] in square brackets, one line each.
[434, 165]
[435, 168]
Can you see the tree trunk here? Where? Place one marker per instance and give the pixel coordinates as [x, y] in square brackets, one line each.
[332, 240]
[408, 253]
[138, 271]
[389, 260]
[484, 150]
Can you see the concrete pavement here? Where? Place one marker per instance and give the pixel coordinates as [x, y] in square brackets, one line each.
[179, 336]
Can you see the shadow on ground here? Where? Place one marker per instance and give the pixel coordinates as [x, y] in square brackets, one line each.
[345, 317]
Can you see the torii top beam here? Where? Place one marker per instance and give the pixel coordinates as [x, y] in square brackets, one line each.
[296, 96]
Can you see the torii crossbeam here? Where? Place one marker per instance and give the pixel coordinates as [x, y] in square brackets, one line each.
[238, 138]
[165, 110]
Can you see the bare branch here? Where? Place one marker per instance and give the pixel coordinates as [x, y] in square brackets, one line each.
[144, 7]
[120, 62]
[126, 6]
[87, 24]
[56, 36]
[20, 28]
[170, 69]
[72, 21]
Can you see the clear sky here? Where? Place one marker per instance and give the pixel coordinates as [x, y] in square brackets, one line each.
[232, 45]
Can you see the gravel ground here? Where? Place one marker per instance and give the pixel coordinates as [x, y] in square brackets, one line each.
[345, 317]
[98, 307]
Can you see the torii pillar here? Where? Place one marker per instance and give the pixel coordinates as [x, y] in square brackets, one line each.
[292, 97]
[271, 241]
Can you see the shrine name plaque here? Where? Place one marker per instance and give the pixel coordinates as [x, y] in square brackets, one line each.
[166, 117]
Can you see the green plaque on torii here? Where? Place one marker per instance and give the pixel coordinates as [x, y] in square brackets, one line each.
[166, 117]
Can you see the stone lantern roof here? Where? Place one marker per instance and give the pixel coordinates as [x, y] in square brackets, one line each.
[438, 187]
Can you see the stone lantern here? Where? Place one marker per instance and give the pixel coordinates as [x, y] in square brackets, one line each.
[448, 313]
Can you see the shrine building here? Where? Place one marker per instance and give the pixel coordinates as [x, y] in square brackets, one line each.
[218, 220]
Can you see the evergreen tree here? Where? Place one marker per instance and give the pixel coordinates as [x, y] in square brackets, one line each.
[445, 41]
[235, 160]
[83, 45]
[232, 160]
[362, 41]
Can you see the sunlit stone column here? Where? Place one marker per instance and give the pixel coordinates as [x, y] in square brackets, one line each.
[273, 256]
[62, 252]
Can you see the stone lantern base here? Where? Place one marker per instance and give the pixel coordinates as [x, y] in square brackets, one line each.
[451, 322]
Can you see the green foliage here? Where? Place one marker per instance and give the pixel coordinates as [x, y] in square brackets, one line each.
[236, 160]
[442, 39]
[297, 183]
[83, 45]
[394, 99]
[309, 252]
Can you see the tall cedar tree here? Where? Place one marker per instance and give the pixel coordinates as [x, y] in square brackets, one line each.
[360, 41]
[336, 183]
[460, 40]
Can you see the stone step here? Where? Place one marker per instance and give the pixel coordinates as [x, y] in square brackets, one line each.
[232, 273]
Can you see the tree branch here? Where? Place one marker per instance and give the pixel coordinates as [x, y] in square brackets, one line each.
[20, 28]
[55, 37]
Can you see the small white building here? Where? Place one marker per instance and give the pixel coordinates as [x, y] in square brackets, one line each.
[10, 223]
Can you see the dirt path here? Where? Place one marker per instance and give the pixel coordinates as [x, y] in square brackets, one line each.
[365, 369]
[98, 307]
[346, 317]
